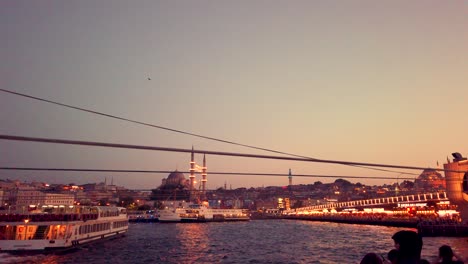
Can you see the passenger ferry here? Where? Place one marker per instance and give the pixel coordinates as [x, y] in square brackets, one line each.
[60, 228]
[201, 213]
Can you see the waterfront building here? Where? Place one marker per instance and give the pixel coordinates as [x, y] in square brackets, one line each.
[81, 197]
[34, 198]
[58, 199]
[102, 186]
[266, 204]
[101, 197]
[9, 184]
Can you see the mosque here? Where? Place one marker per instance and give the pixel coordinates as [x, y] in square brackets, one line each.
[177, 187]
[174, 180]
[430, 180]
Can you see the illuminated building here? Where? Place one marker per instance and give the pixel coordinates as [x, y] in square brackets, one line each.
[27, 198]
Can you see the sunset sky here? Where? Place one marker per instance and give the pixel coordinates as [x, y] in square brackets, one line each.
[365, 81]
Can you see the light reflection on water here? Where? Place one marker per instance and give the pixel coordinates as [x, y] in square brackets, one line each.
[194, 239]
[260, 241]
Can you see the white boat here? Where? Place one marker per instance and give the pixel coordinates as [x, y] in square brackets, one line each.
[60, 228]
[201, 213]
[170, 215]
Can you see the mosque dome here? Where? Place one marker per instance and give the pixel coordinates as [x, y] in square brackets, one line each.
[174, 187]
[175, 178]
[430, 180]
[430, 175]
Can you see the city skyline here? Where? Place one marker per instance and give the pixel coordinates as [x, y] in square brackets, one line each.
[368, 82]
[109, 181]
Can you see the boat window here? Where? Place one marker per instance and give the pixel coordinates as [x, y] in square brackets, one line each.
[7, 232]
[61, 231]
[52, 232]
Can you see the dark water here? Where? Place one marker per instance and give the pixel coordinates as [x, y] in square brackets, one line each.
[259, 241]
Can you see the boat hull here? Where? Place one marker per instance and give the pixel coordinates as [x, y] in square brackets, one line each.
[54, 246]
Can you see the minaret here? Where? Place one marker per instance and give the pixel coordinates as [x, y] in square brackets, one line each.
[290, 177]
[204, 175]
[192, 172]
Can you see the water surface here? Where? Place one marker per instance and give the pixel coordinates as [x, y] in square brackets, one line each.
[257, 241]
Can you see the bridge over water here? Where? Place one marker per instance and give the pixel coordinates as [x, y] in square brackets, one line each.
[375, 202]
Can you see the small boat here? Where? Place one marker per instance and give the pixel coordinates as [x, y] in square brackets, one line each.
[60, 228]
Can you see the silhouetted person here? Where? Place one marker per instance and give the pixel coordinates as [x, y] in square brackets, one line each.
[446, 256]
[371, 258]
[409, 245]
[392, 256]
